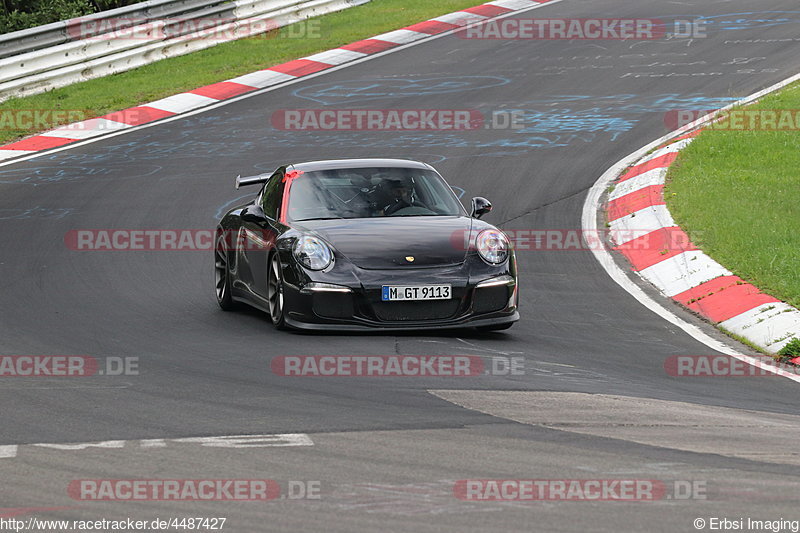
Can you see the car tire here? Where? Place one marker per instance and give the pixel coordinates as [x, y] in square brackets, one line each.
[222, 276]
[277, 312]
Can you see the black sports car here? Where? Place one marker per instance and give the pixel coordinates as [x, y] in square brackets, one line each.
[357, 244]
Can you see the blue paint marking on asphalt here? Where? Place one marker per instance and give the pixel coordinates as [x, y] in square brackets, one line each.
[432, 159]
[566, 120]
[554, 121]
[745, 20]
[37, 212]
[58, 174]
[41, 175]
[628, 102]
[360, 90]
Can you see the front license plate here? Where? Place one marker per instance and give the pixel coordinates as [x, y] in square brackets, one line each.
[393, 293]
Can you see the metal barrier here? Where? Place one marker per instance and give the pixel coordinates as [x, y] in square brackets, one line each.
[54, 55]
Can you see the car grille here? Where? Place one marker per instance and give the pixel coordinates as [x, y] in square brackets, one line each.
[333, 305]
[489, 299]
[411, 311]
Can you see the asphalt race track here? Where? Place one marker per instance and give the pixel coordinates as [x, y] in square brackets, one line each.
[387, 451]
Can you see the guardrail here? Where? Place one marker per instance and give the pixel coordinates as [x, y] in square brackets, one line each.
[54, 55]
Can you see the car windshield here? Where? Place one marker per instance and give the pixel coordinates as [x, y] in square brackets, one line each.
[371, 192]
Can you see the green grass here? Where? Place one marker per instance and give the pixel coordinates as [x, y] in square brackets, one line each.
[228, 60]
[738, 194]
[790, 351]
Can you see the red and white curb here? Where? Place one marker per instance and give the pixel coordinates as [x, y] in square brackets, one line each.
[298, 68]
[666, 257]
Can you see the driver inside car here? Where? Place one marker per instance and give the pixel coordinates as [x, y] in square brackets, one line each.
[402, 196]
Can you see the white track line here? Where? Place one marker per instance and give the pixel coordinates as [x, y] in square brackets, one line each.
[280, 440]
[8, 451]
[589, 223]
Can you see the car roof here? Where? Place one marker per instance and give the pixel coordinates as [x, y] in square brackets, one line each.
[359, 163]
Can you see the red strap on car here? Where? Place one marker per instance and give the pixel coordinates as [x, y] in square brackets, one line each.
[287, 179]
[292, 174]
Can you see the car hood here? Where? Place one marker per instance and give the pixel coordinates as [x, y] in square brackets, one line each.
[387, 243]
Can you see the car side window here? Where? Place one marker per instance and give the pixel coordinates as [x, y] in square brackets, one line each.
[272, 194]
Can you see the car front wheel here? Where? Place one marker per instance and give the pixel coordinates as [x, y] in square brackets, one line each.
[222, 276]
[275, 292]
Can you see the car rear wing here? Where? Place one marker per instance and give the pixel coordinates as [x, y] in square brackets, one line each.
[251, 180]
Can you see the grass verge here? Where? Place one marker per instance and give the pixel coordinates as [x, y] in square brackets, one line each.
[228, 60]
[737, 193]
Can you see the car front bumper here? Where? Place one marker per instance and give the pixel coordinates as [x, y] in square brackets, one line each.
[488, 299]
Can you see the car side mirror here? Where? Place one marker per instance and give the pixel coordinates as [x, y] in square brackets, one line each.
[254, 214]
[480, 206]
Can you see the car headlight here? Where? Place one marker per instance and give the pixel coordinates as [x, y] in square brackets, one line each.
[492, 246]
[313, 253]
